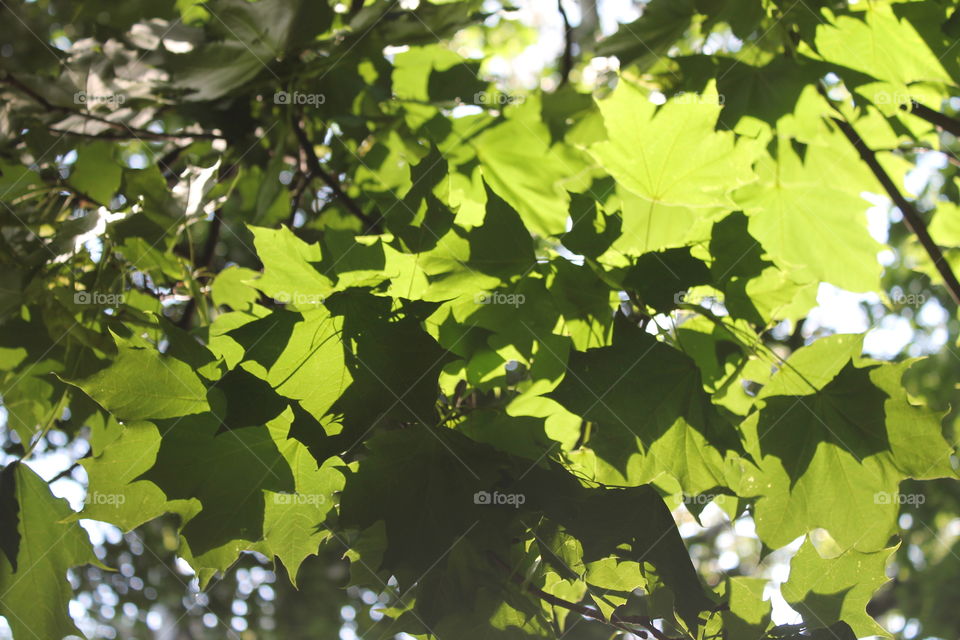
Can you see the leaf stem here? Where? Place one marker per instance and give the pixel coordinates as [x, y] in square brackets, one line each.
[55, 413]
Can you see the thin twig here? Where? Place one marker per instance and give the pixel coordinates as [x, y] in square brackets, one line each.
[66, 473]
[85, 200]
[316, 170]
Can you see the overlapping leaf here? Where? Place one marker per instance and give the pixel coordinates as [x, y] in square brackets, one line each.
[46, 548]
[832, 438]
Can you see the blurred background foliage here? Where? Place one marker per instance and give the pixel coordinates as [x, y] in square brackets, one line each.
[112, 48]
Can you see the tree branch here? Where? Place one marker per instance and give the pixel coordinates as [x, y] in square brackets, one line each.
[911, 218]
[934, 117]
[316, 170]
[165, 162]
[131, 132]
[615, 621]
[302, 184]
[566, 61]
[66, 473]
[585, 33]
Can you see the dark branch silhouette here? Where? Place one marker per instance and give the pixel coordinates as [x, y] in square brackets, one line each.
[316, 170]
[618, 622]
[566, 61]
[942, 120]
[911, 218]
[127, 132]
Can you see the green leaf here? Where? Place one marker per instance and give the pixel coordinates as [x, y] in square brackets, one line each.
[249, 400]
[370, 263]
[233, 288]
[299, 356]
[293, 522]
[649, 225]
[754, 289]
[288, 273]
[671, 156]
[743, 16]
[16, 180]
[584, 301]
[255, 35]
[747, 614]
[195, 461]
[592, 231]
[829, 590]
[652, 414]
[429, 464]
[520, 165]
[9, 515]
[394, 364]
[115, 492]
[662, 279]
[646, 40]
[141, 383]
[811, 220]
[501, 246]
[95, 173]
[521, 436]
[435, 73]
[882, 45]
[631, 523]
[216, 70]
[270, 26]
[832, 439]
[34, 594]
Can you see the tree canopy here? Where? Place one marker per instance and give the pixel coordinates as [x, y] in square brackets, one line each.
[325, 313]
